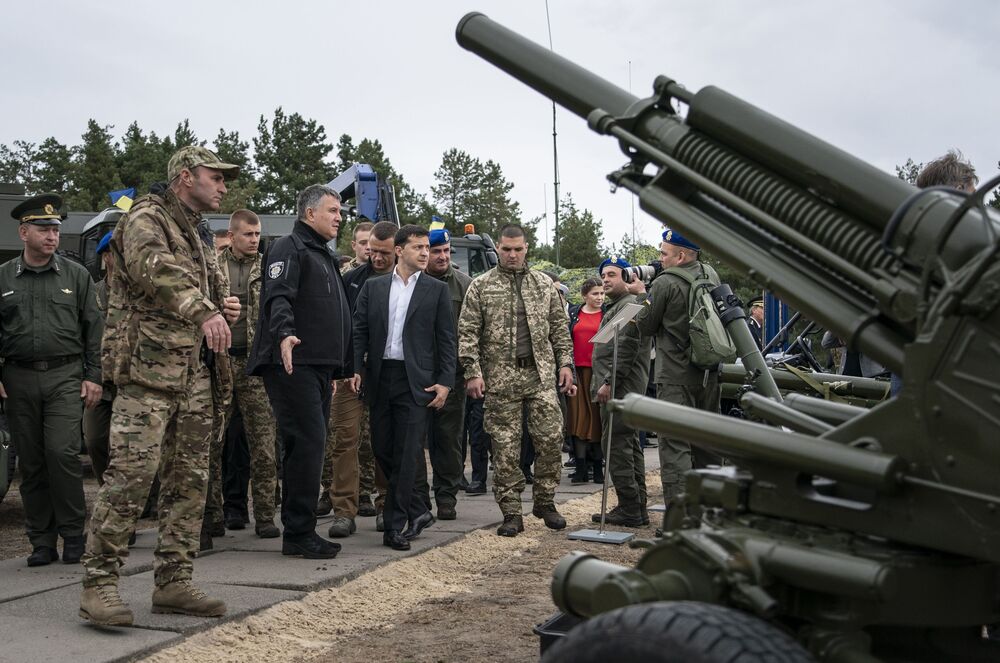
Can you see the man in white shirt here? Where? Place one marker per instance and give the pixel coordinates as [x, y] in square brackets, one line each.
[404, 338]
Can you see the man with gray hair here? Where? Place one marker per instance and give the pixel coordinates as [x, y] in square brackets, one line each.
[301, 345]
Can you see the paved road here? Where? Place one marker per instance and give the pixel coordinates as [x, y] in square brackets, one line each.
[38, 606]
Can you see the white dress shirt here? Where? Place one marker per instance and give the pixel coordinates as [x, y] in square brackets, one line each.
[399, 301]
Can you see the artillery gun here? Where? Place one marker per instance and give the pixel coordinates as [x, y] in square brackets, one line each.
[873, 538]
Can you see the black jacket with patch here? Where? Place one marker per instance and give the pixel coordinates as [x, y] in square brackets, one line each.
[303, 295]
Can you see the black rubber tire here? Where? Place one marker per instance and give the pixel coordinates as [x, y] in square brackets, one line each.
[676, 632]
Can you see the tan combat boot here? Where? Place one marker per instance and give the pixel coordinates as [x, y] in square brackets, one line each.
[180, 597]
[103, 605]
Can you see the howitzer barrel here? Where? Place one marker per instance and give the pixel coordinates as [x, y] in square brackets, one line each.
[743, 439]
[566, 83]
[841, 385]
[831, 235]
[828, 411]
[777, 413]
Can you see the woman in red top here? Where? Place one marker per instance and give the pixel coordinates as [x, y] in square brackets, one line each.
[583, 419]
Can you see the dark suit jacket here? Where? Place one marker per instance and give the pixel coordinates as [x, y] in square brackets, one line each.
[428, 335]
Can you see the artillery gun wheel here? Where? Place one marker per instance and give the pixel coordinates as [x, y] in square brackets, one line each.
[676, 632]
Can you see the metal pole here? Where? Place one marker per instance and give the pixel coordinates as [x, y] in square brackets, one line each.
[611, 423]
[788, 325]
[555, 154]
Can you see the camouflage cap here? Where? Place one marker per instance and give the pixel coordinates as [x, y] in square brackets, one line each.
[194, 155]
[40, 210]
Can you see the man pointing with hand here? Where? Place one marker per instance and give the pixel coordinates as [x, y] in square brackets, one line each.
[302, 344]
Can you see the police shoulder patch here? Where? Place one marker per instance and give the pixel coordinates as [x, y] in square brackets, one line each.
[275, 269]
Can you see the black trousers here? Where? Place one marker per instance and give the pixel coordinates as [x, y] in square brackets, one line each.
[235, 468]
[476, 440]
[301, 404]
[398, 425]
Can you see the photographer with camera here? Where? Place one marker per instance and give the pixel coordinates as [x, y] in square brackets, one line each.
[677, 379]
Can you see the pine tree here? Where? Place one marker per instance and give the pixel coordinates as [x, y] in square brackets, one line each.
[290, 154]
[95, 171]
[53, 168]
[17, 164]
[142, 160]
[580, 237]
[241, 190]
[492, 204]
[458, 180]
[909, 171]
[184, 136]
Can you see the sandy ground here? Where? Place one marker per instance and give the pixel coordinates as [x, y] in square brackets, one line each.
[475, 599]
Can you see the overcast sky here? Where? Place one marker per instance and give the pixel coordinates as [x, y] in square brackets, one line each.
[882, 80]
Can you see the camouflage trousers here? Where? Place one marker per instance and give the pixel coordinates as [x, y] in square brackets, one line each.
[371, 482]
[340, 461]
[366, 455]
[153, 432]
[258, 422]
[502, 422]
[677, 456]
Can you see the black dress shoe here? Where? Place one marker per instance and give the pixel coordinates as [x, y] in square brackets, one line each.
[43, 555]
[447, 512]
[417, 526]
[310, 546]
[476, 488]
[463, 483]
[395, 540]
[72, 549]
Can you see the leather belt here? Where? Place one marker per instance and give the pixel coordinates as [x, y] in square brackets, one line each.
[525, 362]
[44, 364]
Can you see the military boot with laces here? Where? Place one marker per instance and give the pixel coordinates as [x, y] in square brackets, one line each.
[549, 515]
[512, 526]
[102, 605]
[180, 597]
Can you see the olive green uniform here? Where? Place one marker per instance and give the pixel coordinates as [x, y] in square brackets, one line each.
[444, 437]
[97, 420]
[677, 381]
[626, 464]
[50, 342]
[165, 284]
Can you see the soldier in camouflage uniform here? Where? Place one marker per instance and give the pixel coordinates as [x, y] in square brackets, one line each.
[677, 380]
[165, 313]
[626, 464]
[444, 437]
[242, 264]
[513, 337]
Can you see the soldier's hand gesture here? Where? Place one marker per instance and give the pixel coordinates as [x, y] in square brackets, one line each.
[231, 309]
[440, 395]
[475, 388]
[287, 344]
[217, 334]
[566, 380]
[90, 392]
